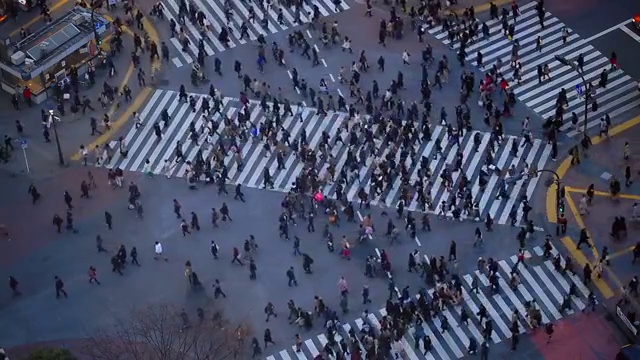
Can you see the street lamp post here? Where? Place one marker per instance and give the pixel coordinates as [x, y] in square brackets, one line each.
[55, 133]
[96, 36]
[570, 63]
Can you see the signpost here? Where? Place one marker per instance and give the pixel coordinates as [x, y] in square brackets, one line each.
[579, 89]
[24, 145]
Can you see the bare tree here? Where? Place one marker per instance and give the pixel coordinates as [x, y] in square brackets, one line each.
[160, 332]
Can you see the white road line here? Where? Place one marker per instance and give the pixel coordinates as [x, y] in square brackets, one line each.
[332, 78]
[323, 62]
[309, 34]
[630, 32]
[605, 32]
[143, 145]
[177, 62]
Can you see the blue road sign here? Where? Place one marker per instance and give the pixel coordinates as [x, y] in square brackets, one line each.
[579, 89]
[23, 143]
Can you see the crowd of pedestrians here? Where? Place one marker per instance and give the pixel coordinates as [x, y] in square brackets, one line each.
[379, 114]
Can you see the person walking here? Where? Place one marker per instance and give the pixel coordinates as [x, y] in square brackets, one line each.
[134, 256]
[236, 257]
[217, 289]
[268, 339]
[13, 285]
[584, 239]
[159, 254]
[214, 249]
[93, 275]
[60, 288]
[291, 277]
[108, 220]
[253, 268]
[270, 310]
[176, 209]
[224, 211]
[239, 194]
[35, 195]
[549, 329]
[68, 200]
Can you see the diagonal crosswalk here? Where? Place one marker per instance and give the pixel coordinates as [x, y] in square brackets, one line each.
[540, 282]
[619, 96]
[143, 144]
[214, 12]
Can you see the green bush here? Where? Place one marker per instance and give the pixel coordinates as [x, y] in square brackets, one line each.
[52, 354]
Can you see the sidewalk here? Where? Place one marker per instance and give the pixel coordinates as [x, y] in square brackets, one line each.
[75, 129]
[605, 159]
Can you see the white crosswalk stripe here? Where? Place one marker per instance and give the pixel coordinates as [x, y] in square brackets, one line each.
[619, 96]
[214, 12]
[144, 145]
[541, 283]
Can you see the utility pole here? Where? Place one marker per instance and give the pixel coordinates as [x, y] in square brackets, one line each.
[55, 133]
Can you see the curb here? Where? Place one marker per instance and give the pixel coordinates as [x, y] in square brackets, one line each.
[552, 215]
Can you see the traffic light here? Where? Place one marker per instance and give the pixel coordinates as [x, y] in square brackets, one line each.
[560, 207]
[97, 38]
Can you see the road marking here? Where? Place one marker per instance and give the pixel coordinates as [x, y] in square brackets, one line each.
[630, 32]
[309, 34]
[619, 253]
[605, 32]
[564, 166]
[552, 216]
[156, 64]
[324, 62]
[332, 78]
[602, 193]
[139, 100]
[602, 285]
[576, 214]
[117, 124]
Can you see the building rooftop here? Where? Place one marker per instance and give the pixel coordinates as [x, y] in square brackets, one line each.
[54, 41]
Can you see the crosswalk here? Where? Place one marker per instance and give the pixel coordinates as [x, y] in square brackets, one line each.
[538, 282]
[620, 95]
[214, 12]
[144, 145]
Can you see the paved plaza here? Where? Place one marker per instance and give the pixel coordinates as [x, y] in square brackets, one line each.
[482, 164]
